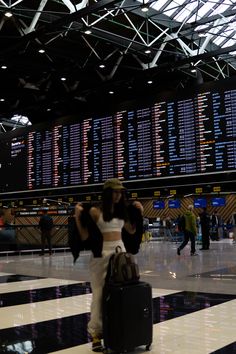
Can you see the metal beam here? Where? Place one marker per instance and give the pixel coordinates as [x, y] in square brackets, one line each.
[61, 22]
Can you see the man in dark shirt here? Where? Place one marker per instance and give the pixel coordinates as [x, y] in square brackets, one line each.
[46, 225]
[205, 227]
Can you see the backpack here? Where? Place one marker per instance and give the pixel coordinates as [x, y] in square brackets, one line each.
[181, 223]
[122, 268]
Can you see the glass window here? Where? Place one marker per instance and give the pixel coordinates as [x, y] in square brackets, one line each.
[185, 12]
[172, 7]
[220, 9]
[222, 37]
[157, 5]
[229, 43]
[203, 10]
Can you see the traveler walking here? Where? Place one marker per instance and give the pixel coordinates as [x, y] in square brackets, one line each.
[110, 219]
[189, 230]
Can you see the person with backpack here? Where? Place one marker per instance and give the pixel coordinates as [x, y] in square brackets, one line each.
[46, 226]
[110, 219]
[188, 225]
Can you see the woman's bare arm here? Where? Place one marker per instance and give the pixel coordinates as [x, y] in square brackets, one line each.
[82, 230]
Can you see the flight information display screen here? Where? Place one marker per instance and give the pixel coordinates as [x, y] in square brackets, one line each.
[174, 204]
[218, 201]
[183, 136]
[200, 203]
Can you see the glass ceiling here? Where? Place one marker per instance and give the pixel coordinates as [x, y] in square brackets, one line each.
[222, 28]
[21, 119]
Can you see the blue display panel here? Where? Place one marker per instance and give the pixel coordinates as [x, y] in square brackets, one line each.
[200, 203]
[218, 202]
[193, 134]
[159, 204]
[174, 204]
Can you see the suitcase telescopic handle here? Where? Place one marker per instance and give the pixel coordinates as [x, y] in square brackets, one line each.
[146, 312]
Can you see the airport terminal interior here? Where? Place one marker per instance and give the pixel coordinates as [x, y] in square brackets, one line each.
[139, 90]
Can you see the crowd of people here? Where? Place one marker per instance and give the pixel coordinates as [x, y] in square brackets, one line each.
[208, 227]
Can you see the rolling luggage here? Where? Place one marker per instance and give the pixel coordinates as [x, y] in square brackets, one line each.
[127, 316]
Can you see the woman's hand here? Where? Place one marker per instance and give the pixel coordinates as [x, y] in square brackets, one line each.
[82, 230]
[78, 209]
[138, 205]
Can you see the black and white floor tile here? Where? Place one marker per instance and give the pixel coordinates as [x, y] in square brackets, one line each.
[195, 312]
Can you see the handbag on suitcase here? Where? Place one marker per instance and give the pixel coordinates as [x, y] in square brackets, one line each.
[127, 316]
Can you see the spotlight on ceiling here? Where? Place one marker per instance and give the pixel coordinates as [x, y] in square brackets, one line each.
[111, 92]
[148, 51]
[41, 51]
[88, 30]
[4, 67]
[8, 14]
[63, 79]
[193, 68]
[149, 82]
[102, 66]
[144, 8]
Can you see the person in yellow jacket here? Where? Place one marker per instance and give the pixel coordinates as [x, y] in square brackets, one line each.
[189, 230]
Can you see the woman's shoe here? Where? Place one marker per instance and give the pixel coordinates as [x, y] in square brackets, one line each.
[97, 345]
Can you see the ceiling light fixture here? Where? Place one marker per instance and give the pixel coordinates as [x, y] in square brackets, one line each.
[41, 51]
[149, 82]
[102, 66]
[144, 8]
[3, 67]
[63, 79]
[8, 14]
[2, 99]
[111, 92]
[148, 51]
[193, 68]
[88, 31]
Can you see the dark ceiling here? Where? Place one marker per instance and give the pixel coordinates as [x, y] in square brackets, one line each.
[30, 81]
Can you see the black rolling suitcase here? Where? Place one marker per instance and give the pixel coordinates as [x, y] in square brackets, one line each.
[127, 316]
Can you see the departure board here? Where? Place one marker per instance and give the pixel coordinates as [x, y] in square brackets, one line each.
[189, 135]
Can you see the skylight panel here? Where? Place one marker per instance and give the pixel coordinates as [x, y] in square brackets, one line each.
[220, 9]
[21, 119]
[229, 43]
[157, 5]
[201, 11]
[185, 12]
[222, 37]
[172, 7]
[219, 40]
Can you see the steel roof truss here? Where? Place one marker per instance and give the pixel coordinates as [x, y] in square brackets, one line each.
[90, 46]
[135, 29]
[36, 16]
[70, 6]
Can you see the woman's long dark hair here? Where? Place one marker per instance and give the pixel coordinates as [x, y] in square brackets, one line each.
[120, 208]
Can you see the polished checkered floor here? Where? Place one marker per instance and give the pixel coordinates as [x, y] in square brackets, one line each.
[45, 301]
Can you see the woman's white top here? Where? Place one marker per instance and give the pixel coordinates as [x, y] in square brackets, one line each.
[115, 225]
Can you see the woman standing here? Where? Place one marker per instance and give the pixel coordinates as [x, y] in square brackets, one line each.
[110, 218]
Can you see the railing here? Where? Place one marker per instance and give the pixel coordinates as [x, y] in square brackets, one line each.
[19, 239]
